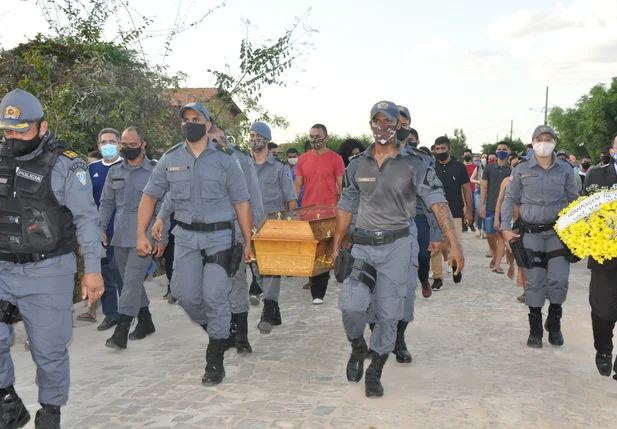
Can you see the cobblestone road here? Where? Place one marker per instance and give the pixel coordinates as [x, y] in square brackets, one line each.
[471, 368]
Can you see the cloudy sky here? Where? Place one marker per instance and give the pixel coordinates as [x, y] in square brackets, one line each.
[473, 65]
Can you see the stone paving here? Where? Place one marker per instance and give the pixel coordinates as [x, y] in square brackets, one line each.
[471, 368]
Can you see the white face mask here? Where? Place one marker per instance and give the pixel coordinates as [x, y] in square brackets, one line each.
[292, 161]
[483, 161]
[544, 149]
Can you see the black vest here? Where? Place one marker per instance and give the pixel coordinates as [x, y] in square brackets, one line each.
[31, 219]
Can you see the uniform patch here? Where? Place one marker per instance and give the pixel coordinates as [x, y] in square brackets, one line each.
[81, 176]
[29, 175]
[11, 112]
[70, 154]
[180, 168]
[79, 166]
[366, 179]
[529, 175]
[431, 180]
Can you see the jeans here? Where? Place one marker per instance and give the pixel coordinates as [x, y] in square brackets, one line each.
[476, 203]
[424, 256]
[113, 284]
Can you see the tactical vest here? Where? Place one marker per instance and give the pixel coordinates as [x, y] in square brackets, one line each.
[32, 222]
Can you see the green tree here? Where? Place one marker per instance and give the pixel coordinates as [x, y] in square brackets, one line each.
[587, 127]
[459, 143]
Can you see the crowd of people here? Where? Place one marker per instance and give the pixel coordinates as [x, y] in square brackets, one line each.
[404, 205]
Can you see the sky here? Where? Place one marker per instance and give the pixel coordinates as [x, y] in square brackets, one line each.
[474, 65]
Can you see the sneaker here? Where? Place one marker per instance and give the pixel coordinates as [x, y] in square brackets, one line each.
[448, 269]
[521, 299]
[317, 301]
[254, 300]
[437, 284]
[107, 324]
[426, 290]
[166, 296]
[472, 228]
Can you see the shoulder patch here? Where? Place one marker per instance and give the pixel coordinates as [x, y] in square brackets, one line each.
[431, 180]
[70, 154]
[79, 165]
[174, 147]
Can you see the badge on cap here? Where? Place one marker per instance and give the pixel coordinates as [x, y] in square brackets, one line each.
[11, 112]
[382, 105]
[544, 129]
[81, 176]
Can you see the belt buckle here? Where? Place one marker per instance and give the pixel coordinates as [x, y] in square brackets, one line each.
[379, 238]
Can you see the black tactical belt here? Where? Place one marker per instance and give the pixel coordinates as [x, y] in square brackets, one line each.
[26, 258]
[205, 227]
[378, 238]
[530, 228]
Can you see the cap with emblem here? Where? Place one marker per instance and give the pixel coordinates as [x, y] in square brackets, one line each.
[198, 107]
[19, 110]
[404, 111]
[262, 129]
[543, 129]
[388, 108]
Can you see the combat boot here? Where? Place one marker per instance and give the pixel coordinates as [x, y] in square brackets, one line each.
[372, 381]
[215, 371]
[120, 337]
[400, 348]
[535, 331]
[276, 318]
[603, 363]
[553, 325]
[267, 317]
[355, 364]
[48, 417]
[13, 413]
[242, 333]
[233, 329]
[144, 326]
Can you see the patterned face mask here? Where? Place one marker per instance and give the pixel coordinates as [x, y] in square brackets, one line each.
[384, 134]
[317, 143]
[258, 145]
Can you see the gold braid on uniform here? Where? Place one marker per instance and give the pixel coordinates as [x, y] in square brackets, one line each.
[444, 216]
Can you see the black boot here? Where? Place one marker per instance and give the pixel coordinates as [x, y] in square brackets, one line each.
[553, 325]
[267, 317]
[233, 329]
[535, 331]
[144, 326]
[355, 364]
[400, 348]
[48, 417]
[13, 413]
[242, 333]
[120, 337]
[277, 315]
[215, 371]
[603, 363]
[372, 381]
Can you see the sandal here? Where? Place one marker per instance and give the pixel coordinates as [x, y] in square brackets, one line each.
[86, 317]
[498, 271]
[492, 264]
[511, 273]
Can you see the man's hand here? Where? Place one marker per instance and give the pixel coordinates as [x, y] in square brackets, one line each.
[157, 230]
[144, 247]
[468, 218]
[158, 250]
[435, 247]
[456, 258]
[507, 236]
[92, 287]
[105, 239]
[333, 255]
[496, 224]
[249, 253]
[482, 212]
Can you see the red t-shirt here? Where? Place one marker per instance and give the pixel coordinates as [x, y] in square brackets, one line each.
[470, 169]
[319, 173]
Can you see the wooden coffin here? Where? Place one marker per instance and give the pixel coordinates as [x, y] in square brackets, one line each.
[296, 242]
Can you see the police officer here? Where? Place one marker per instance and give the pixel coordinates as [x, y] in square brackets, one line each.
[543, 186]
[377, 189]
[208, 189]
[46, 204]
[122, 191]
[278, 194]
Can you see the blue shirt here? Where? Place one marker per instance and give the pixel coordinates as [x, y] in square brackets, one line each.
[98, 173]
[292, 174]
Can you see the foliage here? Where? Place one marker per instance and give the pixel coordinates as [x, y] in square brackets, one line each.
[587, 127]
[334, 141]
[516, 146]
[260, 66]
[458, 143]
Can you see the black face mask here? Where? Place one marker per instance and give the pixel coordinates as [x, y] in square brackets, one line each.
[467, 158]
[586, 165]
[131, 153]
[402, 134]
[24, 147]
[193, 132]
[442, 156]
[606, 159]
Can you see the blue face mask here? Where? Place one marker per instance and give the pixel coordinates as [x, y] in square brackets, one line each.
[109, 151]
[502, 154]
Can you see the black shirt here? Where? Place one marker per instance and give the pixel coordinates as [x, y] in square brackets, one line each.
[453, 176]
[495, 174]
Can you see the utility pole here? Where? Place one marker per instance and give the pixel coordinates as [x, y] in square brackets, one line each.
[511, 128]
[546, 108]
